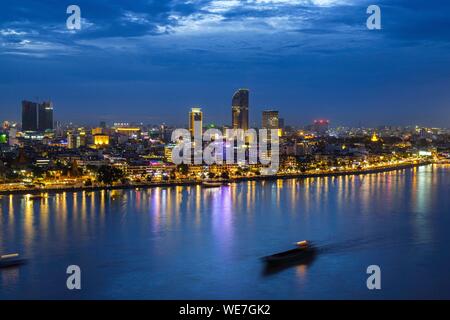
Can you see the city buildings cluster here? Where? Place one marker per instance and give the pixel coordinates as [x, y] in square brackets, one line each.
[43, 153]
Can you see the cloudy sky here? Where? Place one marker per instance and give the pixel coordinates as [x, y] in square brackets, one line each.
[151, 60]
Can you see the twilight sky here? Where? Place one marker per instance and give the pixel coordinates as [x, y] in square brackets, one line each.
[151, 60]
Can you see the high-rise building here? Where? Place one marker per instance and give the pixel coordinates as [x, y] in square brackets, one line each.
[196, 115]
[270, 119]
[239, 109]
[45, 116]
[29, 116]
[37, 116]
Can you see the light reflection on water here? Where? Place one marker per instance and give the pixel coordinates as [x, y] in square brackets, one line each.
[190, 242]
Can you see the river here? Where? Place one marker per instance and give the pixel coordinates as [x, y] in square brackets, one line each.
[187, 242]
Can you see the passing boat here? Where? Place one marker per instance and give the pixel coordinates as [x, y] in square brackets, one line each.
[214, 183]
[11, 260]
[304, 250]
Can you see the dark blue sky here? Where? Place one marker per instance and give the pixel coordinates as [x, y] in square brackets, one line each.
[152, 60]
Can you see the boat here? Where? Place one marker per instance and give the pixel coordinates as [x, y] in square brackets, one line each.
[214, 183]
[304, 250]
[11, 260]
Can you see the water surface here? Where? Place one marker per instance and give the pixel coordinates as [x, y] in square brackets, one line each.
[194, 243]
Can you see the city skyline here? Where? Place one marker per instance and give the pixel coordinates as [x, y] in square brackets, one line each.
[308, 59]
[253, 122]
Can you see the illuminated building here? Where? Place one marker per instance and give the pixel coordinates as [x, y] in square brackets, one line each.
[101, 140]
[168, 152]
[76, 140]
[196, 115]
[270, 119]
[128, 131]
[374, 138]
[239, 108]
[97, 131]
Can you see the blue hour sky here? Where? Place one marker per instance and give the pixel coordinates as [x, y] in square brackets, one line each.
[151, 60]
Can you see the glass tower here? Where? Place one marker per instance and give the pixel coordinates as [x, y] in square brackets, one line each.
[239, 107]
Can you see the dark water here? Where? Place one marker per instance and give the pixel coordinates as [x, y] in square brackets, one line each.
[194, 243]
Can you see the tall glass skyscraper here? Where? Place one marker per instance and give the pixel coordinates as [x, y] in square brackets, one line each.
[239, 109]
[37, 116]
[45, 116]
[29, 116]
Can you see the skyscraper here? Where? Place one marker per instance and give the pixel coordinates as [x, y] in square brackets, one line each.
[29, 116]
[37, 116]
[45, 116]
[196, 115]
[270, 119]
[239, 107]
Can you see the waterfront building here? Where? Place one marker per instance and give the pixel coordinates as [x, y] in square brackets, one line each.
[239, 109]
[168, 149]
[195, 115]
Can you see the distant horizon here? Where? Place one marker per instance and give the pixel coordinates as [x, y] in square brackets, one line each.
[148, 119]
[138, 119]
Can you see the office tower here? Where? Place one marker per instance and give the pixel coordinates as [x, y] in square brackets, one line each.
[29, 116]
[239, 107]
[270, 119]
[196, 115]
[45, 116]
[37, 116]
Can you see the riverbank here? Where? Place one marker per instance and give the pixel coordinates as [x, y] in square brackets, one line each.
[197, 182]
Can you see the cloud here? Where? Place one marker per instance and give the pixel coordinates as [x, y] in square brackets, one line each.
[214, 25]
[134, 17]
[11, 32]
